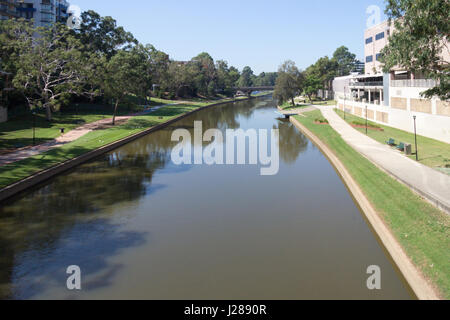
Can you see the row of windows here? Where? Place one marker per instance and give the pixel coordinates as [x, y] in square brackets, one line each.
[377, 37]
[370, 58]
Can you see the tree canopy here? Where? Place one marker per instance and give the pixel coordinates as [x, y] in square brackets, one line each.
[420, 40]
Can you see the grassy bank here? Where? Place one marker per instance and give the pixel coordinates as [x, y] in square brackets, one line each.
[17, 171]
[432, 153]
[421, 229]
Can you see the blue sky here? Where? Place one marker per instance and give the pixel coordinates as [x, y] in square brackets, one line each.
[261, 34]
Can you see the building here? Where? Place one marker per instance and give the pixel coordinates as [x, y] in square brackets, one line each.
[44, 12]
[8, 9]
[392, 98]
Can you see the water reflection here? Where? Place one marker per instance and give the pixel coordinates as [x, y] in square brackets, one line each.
[132, 215]
[78, 204]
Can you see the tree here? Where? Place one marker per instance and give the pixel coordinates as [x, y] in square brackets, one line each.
[51, 67]
[125, 74]
[345, 61]
[101, 34]
[312, 85]
[289, 83]
[420, 39]
[246, 78]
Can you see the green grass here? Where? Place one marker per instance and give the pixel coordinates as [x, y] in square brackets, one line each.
[18, 131]
[422, 230]
[19, 170]
[432, 153]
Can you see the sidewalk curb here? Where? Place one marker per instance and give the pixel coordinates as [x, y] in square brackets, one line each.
[417, 282]
[46, 174]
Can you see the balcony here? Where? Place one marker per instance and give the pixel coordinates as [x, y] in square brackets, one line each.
[416, 83]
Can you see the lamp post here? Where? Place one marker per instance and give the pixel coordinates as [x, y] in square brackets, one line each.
[34, 128]
[367, 122]
[345, 102]
[415, 138]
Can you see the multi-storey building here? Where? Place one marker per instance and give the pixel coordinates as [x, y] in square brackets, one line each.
[8, 9]
[392, 98]
[44, 12]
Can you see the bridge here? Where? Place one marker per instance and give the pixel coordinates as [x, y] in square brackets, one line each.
[248, 90]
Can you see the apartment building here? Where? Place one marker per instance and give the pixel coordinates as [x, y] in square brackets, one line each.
[44, 12]
[392, 98]
[8, 9]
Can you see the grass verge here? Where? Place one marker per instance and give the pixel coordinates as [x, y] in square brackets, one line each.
[421, 229]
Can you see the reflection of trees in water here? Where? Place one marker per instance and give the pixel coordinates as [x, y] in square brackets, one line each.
[292, 143]
[89, 194]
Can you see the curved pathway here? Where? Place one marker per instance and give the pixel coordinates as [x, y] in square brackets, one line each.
[72, 135]
[429, 183]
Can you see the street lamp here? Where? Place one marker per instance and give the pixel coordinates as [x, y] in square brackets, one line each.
[367, 122]
[345, 101]
[415, 138]
[34, 128]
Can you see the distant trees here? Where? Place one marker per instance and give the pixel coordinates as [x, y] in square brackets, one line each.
[312, 84]
[420, 40]
[50, 66]
[246, 78]
[289, 83]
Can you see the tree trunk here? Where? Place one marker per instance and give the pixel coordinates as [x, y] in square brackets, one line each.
[293, 102]
[48, 110]
[115, 112]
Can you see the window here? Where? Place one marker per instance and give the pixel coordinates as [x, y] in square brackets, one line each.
[369, 40]
[379, 55]
[379, 36]
[369, 58]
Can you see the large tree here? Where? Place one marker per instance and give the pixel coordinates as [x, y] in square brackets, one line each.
[289, 83]
[125, 74]
[101, 34]
[50, 65]
[420, 40]
[312, 85]
[345, 61]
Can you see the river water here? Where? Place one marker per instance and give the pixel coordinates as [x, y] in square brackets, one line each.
[141, 227]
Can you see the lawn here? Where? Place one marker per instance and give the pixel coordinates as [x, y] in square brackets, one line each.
[18, 132]
[432, 153]
[420, 228]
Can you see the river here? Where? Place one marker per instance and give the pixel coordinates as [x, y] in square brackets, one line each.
[141, 227]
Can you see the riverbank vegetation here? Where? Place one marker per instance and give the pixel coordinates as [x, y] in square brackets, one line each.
[101, 66]
[420, 228]
[432, 153]
[292, 82]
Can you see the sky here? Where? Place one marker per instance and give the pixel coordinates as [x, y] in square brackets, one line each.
[261, 34]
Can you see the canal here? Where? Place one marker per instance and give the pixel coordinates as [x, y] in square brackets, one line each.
[141, 227]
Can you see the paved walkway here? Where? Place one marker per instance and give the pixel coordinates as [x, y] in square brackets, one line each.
[66, 138]
[432, 184]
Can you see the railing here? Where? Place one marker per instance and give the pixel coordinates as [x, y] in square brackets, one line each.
[420, 83]
[367, 84]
